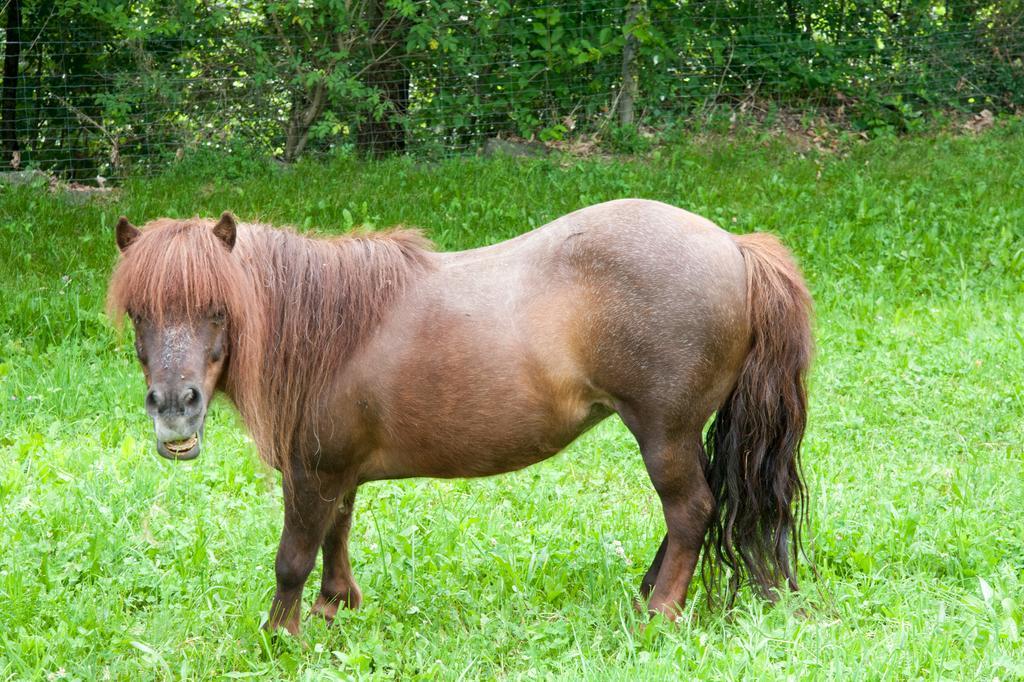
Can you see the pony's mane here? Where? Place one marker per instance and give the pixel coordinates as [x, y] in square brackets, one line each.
[297, 308]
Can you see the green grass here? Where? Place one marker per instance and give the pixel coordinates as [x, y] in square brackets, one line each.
[117, 564]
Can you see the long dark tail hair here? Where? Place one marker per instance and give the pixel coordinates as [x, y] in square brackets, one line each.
[753, 444]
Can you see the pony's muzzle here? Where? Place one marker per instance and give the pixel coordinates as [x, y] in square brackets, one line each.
[179, 448]
[179, 432]
[186, 401]
[178, 414]
[179, 451]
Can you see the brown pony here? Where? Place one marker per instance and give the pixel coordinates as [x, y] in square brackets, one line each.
[370, 357]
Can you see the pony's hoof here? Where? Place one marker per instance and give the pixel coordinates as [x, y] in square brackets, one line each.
[327, 607]
[290, 626]
[666, 613]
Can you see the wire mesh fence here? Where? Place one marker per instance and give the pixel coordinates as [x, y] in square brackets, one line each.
[93, 91]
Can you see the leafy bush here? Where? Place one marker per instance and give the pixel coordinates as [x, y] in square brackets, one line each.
[105, 85]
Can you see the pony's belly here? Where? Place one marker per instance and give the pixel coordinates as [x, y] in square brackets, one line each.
[495, 449]
[439, 464]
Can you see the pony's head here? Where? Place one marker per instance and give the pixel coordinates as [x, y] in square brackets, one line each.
[182, 286]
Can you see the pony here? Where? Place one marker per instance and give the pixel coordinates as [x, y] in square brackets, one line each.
[371, 356]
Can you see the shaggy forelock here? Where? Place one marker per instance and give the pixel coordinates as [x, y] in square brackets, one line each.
[177, 269]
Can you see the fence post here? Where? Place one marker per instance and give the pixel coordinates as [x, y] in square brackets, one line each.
[12, 60]
[627, 96]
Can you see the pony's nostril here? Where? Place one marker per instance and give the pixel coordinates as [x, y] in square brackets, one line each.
[190, 397]
[152, 401]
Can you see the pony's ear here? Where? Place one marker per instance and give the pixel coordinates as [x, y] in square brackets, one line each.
[126, 233]
[226, 229]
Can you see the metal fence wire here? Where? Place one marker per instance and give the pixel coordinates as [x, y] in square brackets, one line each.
[107, 91]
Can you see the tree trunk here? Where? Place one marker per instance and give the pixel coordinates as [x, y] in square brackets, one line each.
[377, 137]
[9, 103]
[791, 17]
[627, 97]
[388, 74]
[306, 109]
[961, 12]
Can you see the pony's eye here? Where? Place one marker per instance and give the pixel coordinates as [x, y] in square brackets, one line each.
[217, 352]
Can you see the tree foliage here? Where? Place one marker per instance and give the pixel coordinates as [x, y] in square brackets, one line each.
[103, 84]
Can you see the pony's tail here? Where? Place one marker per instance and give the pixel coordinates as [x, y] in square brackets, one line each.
[753, 444]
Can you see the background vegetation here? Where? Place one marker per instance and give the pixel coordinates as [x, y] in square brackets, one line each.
[102, 86]
[115, 564]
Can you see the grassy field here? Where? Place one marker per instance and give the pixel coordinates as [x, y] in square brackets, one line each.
[116, 564]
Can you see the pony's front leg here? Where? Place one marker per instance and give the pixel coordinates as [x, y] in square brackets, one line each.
[310, 503]
[338, 587]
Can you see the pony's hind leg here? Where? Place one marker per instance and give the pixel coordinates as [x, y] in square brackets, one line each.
[647, 584]
[676, 470]
[338, 587]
